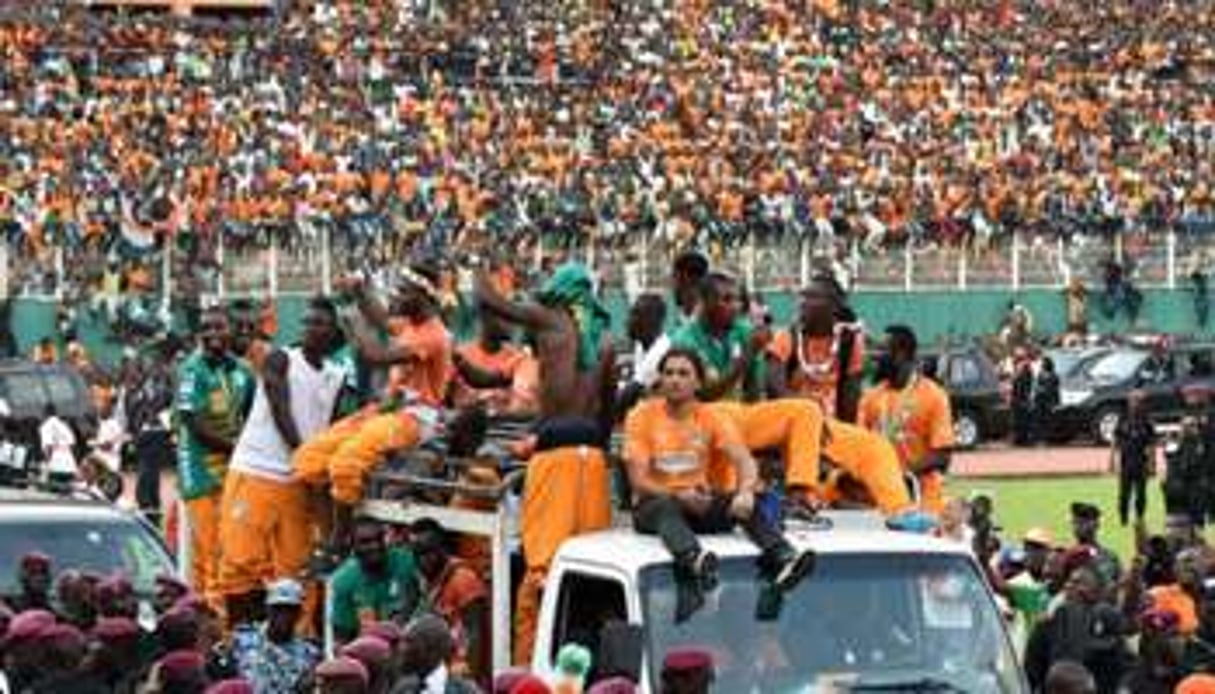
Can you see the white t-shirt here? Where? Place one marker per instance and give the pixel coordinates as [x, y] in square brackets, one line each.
[260, 450]
[57, 441]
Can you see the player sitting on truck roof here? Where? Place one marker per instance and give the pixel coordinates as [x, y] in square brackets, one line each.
[670, 442]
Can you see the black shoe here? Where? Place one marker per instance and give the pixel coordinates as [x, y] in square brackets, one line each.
[793, 569]
[769, 601]
[688, 599]
[798, 510]
[704, 568]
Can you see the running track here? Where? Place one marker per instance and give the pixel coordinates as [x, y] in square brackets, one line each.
[1006, 461]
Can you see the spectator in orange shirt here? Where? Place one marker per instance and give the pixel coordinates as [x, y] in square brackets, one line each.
[669, 443]
[912, 413]
[458, 595]
[485, 370]
[821, 356]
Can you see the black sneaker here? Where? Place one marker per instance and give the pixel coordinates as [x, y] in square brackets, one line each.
[705, 570]
[688, 599]
[769, 601]
[796, 509]
[793, 569]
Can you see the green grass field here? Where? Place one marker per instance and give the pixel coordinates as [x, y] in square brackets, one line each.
[1024, 503]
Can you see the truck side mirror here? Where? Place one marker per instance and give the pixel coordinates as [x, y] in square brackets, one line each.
[621, 648]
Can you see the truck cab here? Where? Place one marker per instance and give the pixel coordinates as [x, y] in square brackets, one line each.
[882, 611]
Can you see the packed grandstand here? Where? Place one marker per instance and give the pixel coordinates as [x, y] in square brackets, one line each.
[378, 128]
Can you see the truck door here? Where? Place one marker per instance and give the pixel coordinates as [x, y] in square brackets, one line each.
[584, 603]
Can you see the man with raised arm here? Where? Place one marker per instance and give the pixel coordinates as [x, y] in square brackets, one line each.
[567, 489]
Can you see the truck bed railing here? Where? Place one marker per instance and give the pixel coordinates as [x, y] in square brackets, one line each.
[498, 524]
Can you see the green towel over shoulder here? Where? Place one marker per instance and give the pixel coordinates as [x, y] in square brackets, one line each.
[571, 287]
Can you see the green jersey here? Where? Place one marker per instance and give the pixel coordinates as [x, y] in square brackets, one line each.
[359, 599]
[719, 354]
[218, 395]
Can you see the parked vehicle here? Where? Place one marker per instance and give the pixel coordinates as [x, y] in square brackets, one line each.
[27, 388]
[979, 405]
[1072, 361]
[84, 533]
[1093, 401]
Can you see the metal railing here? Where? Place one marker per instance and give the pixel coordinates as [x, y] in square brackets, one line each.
[309, 265]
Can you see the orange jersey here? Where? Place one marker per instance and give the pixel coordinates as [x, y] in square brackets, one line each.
[429, 364]
[915, 419]
[815, 373]
[505, 362]
[678, 452]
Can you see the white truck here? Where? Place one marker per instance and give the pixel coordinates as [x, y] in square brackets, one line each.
[882, 610]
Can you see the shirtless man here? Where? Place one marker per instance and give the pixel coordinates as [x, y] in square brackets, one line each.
[577, 386]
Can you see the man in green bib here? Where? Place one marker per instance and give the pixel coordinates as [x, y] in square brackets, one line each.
[378, 583]
[214, 392]
[731, 349]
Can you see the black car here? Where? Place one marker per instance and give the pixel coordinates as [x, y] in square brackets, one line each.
[1072, 361]
[980, 409]
[1093, 402]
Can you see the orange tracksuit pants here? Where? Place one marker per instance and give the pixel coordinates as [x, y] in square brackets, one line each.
[932, 491]
[203, 516]
[793, 426]
[567, 492]
[871, 460]
[266, 531]
[346, 452]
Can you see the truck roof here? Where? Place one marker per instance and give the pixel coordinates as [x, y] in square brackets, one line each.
[849, 532]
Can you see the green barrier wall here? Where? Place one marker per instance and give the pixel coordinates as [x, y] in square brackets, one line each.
[935, 315]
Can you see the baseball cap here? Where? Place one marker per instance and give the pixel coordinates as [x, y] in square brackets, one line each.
[1039, 536]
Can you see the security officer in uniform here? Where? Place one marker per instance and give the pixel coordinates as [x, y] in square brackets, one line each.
[1186, 485]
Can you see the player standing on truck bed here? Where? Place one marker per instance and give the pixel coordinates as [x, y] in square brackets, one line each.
[569, 467]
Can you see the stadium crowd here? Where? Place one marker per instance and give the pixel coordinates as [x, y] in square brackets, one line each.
[445, 124]
[440, 132]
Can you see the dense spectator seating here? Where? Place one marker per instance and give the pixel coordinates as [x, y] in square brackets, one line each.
[389, 127]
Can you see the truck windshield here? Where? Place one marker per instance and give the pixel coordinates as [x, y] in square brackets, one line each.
[858, 622]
